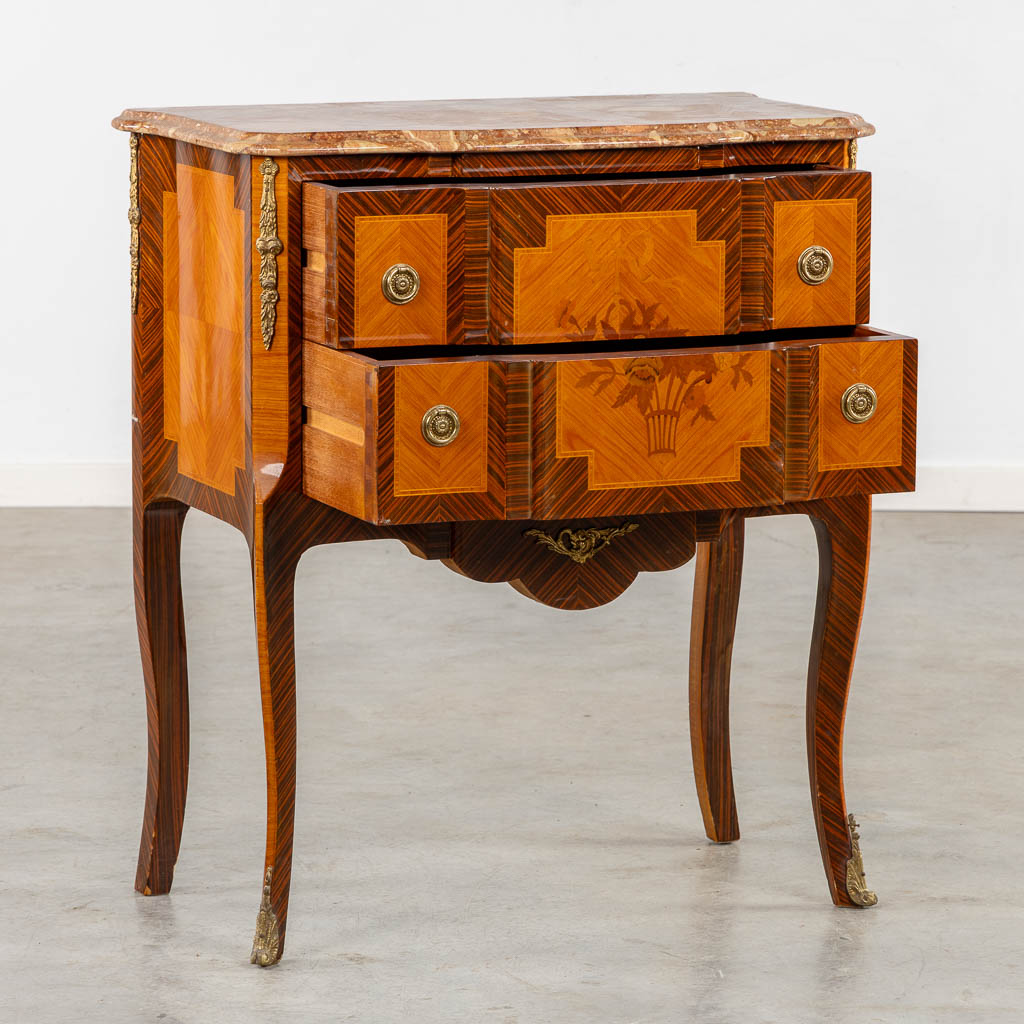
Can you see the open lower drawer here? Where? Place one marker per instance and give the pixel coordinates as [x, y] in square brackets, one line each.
[561, 435]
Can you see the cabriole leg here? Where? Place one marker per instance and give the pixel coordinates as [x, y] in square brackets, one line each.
[161, 622]
[716, 594]
[843, 528]
[273, 568]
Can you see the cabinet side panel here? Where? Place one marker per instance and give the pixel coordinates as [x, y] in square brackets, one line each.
[190, 385]
[204, 325]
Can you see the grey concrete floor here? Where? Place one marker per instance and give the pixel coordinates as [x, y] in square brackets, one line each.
[496, 819]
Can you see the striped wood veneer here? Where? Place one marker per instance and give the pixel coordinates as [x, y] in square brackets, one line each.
[204, 324]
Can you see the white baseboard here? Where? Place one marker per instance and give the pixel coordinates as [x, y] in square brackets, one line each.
[939, 488]
[80, 484]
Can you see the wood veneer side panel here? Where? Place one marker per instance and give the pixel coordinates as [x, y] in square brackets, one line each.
[204, 320]
[333, 471]
[156, 456]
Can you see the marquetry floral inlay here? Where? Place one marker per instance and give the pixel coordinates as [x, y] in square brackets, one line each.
[622, 320]
[665, 389]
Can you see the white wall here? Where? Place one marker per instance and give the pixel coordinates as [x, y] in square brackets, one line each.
[942, 82]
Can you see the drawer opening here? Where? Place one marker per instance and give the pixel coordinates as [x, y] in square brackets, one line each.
[764, 339]
[596, 179]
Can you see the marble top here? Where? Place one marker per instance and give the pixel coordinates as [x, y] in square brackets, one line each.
[462, 126]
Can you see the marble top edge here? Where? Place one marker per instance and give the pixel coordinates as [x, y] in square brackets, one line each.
[533, 123]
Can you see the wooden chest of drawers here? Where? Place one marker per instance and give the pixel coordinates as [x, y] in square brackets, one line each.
[549, 342]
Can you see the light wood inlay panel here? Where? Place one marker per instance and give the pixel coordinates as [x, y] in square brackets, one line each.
[802, 223]
[460, 467]
[662, 421]
[421, 240]
[877, 441]
[204, 327]
[620, 275]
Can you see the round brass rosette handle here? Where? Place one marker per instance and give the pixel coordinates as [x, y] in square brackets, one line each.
[440, 425]
[814, 264]
[400, 284]
[859, 403]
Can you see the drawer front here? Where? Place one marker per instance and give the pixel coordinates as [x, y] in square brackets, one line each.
[585, 262]
[389, 266]
[379, 444]
[657, 433]
[817, 241]
[852, 418]
[563, 436]
[615, 262]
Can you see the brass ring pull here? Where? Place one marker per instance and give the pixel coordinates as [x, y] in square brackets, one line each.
[440, 425]
[814, 265]
[400, 284]
[859, 403]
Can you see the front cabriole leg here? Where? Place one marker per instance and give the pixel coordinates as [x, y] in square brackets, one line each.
[274, 559]
[843, 529]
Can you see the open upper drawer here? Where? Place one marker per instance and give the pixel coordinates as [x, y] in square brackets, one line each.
[599, 260]
[548, 435]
